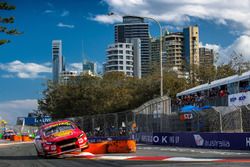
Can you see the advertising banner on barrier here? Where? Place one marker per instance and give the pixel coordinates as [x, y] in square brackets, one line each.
[239, 99]
[233, 141]
[144, 137]
[31, 121]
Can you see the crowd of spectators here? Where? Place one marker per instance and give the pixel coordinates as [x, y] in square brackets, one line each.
[199, 99]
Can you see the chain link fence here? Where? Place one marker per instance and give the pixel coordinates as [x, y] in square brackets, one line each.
[156, 116]
[144, 118]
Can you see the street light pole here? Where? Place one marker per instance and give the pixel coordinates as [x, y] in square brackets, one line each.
[161, 70]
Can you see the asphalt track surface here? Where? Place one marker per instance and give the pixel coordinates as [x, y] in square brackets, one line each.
[24, 155]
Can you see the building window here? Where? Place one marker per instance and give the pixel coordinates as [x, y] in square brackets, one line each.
[120, 62]
[128, 68]
[120, 57]
[129, 63]
[121, 51]
[128, 52]
[129, 73]
[128, 57]
[120, 46]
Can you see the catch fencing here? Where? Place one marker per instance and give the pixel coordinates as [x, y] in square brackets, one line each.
[127, 122]
[155, 116]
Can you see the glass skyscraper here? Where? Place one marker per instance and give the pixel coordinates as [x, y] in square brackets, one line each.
[57, 60]
[89, 66]
[135, 27]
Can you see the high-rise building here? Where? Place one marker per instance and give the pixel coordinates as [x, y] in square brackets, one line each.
[89, 67]
[135, 27]
[154, 50]
[191, 45]
[206, 56]
[66, 76]
[136, 43]
[191, 50]
[173, 46]
[120, 58]
[57, 59]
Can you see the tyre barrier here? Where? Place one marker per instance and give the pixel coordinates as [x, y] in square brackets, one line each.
[16, 138]
[97, 148]
[122, 146]
[114, 146]
[26, 138]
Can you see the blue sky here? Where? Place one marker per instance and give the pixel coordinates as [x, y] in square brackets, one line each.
[25, 63]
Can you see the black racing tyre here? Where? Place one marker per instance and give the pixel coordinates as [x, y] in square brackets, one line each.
[37, 153]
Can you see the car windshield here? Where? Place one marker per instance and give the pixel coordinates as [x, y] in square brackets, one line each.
[58, 128]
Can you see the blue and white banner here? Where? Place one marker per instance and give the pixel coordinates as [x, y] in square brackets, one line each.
[232, 141]
[239, 99]
[37, 120]
[144, 137]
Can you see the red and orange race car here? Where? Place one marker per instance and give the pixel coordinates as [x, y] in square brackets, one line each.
[59, 137]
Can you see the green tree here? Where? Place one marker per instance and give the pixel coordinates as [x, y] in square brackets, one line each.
[5, 22]
[224, 71]
[172, 84]
[206, 74]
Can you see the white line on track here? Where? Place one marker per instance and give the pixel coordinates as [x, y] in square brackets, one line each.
[218, 152]
[186, 159]
[115, 157]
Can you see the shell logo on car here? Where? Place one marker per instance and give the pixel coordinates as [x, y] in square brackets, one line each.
[58, 124]
[63, 133]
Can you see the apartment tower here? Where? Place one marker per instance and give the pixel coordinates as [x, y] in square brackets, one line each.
[135, 27]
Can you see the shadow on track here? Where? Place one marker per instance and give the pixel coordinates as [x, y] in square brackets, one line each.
[26, 157]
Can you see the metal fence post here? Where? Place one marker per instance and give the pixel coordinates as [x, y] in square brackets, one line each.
[220, 117]
[241, 121]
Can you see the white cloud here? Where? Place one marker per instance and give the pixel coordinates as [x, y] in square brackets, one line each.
[65, 25]
[75, 67]
[65, 13]
[108, 19]
[24, 70]
[179, 12]
[10, 110]
[231, 13]
[215, 47]
[49, 11]
[240, 46]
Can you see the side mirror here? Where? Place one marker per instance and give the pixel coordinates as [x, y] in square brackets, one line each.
[38, 138]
